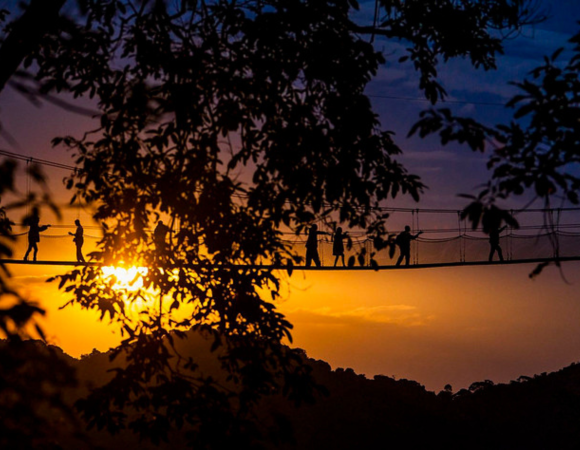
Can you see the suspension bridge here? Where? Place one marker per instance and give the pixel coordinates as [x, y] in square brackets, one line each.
[543, 235]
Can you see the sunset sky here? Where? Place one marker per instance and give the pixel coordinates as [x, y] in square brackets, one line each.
[435, 326]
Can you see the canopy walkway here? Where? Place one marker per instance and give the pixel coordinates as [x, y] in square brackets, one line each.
[543, 235]
[440, 245]
[325, 268]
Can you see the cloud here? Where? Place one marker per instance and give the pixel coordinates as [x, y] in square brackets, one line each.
[461, 81]
[435, 155]
[390, 75]
[401, 315]
[434, 161]
[26, 280]
[34, 287]
[423, 170]
[537, 43]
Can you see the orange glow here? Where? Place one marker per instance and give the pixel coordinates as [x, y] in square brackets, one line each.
[130, 279]
[433, 326]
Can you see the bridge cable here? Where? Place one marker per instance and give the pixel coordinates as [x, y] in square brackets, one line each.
[417, 246]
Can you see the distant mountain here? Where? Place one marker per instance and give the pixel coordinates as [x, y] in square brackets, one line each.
[542, 412]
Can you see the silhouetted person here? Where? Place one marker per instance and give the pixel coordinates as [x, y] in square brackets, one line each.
[338, 245]
[494, 242]
[312, 246]
[34, 235]
[403, 240]
[79, 240]
[159, 236]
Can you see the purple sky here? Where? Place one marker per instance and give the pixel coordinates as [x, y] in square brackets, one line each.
[455, 325]
[446, 170]
[452, 169]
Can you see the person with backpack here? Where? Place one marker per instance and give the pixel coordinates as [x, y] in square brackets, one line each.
[160, 236]
[34, 234]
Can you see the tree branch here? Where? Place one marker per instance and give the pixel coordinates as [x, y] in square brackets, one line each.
[27, 32]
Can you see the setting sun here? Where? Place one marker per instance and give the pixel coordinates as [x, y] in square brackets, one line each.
[340, 224]
[130, 279]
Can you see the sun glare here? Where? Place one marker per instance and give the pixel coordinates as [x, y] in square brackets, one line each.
[129, 279]
[129, 282]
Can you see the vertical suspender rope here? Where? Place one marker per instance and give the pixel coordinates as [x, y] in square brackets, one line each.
[78, 198]
[417, 242]
[375, 19]
[412, 232]
[555, 239]
[509, 239]
[558, 233]
[321, 248]
[28, 186]
[464, 240]
[461, 240]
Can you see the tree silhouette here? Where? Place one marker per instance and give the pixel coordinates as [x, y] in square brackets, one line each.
[26, 33]
[231, 120]
[31, 374]
[535, 154]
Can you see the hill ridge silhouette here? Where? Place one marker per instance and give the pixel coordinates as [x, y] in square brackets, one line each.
[539, 412]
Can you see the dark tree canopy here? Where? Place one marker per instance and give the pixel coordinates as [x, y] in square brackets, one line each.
[231, 121]
[536, 154]
[31, 375]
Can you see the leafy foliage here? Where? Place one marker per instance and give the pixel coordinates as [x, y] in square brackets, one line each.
[31, 375]
[448, 29]
[203, 97]
[15, 318]
[537, 151]
[230, 120]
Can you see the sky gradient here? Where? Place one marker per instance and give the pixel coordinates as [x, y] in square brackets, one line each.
[436, 326]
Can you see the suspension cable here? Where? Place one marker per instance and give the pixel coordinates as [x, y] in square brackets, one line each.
[417, 245]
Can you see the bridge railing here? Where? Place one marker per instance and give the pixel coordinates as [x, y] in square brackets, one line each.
[445, 239]
[464, 248]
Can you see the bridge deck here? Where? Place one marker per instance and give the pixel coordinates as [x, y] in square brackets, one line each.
[327, 268]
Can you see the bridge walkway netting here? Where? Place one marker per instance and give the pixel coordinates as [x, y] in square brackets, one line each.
[542, 234]
[446, 239]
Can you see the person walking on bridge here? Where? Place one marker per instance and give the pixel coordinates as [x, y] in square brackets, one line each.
[494, 243]
[79, 240]
[312, 246]
[34, 234]
[403, 240]
[338, 245]
[160, 237]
